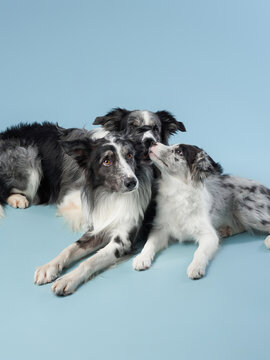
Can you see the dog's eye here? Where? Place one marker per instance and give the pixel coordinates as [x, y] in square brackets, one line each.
[179, 152]
[107, 162]
[155, 128]
[130, 156]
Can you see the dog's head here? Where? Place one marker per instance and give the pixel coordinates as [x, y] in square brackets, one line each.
[145, 127]
[184, 161]
[108, 162]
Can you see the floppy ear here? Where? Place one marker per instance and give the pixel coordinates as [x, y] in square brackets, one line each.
[201, 165]
[112, 121]
[169, 125]
[79, 150]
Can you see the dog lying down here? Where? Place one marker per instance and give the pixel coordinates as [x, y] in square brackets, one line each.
[196, 202]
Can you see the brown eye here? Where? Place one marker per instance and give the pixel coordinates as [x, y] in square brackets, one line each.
[178, 152]
[130, 156]
[107, 162]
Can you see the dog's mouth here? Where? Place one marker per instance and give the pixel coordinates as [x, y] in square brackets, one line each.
[158, 158]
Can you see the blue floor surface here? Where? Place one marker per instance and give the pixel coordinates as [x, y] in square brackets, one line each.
[120, 314]
[208, 63]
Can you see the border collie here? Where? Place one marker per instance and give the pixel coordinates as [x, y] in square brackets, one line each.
[115, 196]
[34, 169]
[144, 125]
[195, 202]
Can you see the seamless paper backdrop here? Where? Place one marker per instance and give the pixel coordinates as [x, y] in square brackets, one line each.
[208, 63]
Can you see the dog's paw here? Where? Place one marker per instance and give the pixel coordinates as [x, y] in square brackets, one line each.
[195, 270]
[142, 262]
[18, 201]
[65, 285]
[47, 273]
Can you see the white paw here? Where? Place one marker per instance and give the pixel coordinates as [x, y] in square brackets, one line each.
[47, 273]
[65, 285]
[142, 262]
[195, 270]
[267, 242]
[18, 201]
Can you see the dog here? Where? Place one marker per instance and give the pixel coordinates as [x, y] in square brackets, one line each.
[143, 125]
[34, 169]
[195, 201]
[115, 196]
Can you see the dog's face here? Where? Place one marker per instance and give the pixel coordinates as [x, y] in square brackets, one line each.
[144, 127]
[108, 162]
[184, 161]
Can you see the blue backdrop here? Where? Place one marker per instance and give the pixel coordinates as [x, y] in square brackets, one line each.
[208, 63]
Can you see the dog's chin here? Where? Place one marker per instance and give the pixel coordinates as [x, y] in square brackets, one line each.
[157, 161]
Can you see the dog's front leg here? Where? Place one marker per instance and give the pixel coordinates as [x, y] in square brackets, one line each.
[81, 248]
[208, 245]
[104, 258]
[157, 240]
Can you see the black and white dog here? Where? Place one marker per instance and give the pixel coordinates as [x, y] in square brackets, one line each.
[34, 168]
[115, 196]
[196, 202]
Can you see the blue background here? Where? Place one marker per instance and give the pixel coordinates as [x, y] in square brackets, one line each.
[208, 63]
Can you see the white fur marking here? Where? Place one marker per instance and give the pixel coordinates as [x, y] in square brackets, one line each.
[71, 209]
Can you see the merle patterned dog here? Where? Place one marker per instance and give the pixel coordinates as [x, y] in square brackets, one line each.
[196, 202]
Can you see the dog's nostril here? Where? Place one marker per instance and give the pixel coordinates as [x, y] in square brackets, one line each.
[130, 184]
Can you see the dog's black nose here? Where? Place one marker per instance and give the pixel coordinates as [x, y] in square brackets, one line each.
[149, 142]
[130, 183]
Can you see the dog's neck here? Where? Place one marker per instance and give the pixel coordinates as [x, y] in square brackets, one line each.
[181, 183]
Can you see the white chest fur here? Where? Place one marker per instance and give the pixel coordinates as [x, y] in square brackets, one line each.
[181, 207]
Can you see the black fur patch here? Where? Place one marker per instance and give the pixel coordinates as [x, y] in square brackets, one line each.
[117, 253]
[118, 241]
[201, 165]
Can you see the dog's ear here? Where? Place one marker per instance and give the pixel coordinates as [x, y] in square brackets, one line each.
[79, 150]
[169, 125]
[112, 121]
[200, 164]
